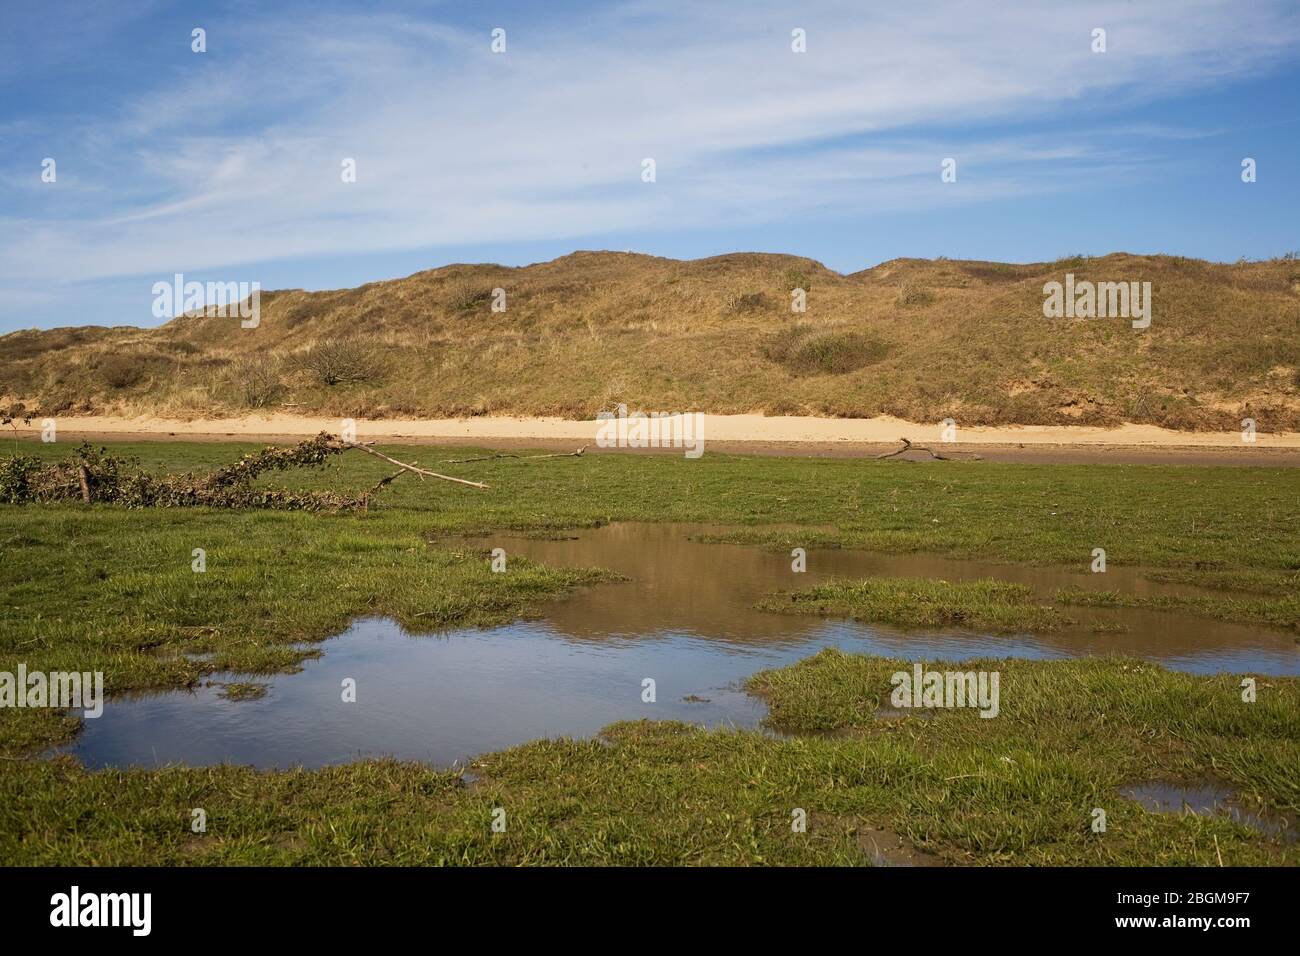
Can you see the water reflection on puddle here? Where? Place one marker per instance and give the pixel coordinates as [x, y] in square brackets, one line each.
[685, 619]
[1206, 800]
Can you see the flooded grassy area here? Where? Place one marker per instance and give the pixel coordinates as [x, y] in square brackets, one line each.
[453, 661]
[683, 613]
[1020, 789]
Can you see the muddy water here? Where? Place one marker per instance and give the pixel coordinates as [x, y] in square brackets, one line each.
[709, 590]
[1208, 799]
[684, 619]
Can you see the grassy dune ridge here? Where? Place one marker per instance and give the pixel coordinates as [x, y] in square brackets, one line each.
[918, 339]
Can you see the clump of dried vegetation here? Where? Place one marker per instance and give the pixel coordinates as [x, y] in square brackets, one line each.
[465, 294]
[92, 474]
[748, 303]
[911, 294]
[256, 380]
[342, 362]
[805, 352]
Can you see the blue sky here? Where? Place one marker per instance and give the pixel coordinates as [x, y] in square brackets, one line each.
[226, 165]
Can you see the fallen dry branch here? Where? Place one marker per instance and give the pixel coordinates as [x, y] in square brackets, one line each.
[415, 469]
[380, 485]
[566, 454]
[908, 446]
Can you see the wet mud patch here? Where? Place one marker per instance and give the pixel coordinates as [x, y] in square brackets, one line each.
[880, 846]
[887, 848]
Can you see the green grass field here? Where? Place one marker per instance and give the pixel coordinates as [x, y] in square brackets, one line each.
[98, 588]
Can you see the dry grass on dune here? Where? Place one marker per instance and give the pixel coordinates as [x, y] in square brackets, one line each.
[918, 339]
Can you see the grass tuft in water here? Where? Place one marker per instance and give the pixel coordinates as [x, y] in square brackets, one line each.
[986, 605]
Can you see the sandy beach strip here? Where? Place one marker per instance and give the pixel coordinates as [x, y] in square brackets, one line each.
[755, 434]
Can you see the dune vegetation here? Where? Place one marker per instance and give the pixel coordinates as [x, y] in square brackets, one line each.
[918, 339]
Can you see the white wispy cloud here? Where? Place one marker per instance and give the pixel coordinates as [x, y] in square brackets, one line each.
[238, 162]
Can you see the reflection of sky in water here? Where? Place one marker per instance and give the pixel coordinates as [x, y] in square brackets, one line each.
[686, 620]
[1207, 800]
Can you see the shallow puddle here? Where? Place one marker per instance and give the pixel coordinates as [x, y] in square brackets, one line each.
[678, 584]
[684, 618]
[1206, 800]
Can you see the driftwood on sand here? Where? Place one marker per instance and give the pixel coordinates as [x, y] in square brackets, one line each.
[908, 446]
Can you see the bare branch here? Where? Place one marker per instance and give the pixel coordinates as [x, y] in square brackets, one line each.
[567, 454]
[415, 469]
[379, 485]
[908, 446]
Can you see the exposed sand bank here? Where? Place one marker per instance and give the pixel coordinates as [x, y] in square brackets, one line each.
[731, 433]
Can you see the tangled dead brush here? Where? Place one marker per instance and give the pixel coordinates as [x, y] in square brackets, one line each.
[91, 474]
